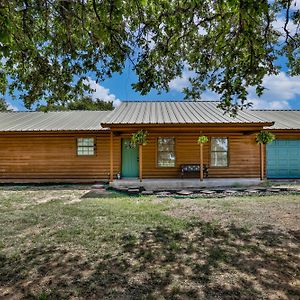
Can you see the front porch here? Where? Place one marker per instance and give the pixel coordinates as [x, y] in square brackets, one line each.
[179, 184]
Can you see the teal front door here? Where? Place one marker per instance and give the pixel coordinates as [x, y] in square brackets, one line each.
[130, 166]
[283, 159]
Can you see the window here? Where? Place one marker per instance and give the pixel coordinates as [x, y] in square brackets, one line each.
[166, 152]
[85, 146]
[219, 152]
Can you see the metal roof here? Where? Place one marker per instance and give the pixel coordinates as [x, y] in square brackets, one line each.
[146, 112]
[52, 121]
[176, 112]
[284, 119]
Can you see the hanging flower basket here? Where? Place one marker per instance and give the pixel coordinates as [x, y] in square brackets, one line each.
[265, 137]
[202, 139]
[139, 138]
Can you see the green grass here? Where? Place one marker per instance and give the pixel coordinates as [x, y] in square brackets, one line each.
[56, 245]
[88, 223]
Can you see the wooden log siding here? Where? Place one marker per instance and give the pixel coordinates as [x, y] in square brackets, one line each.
[45, 156]
[54, 156]
[243, 158]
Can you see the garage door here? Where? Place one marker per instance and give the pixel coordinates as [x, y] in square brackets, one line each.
[283, 159]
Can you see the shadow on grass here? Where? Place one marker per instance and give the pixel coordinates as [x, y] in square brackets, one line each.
[204, 261]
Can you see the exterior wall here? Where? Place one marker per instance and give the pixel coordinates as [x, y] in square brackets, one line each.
[53, 157]
[243, 156]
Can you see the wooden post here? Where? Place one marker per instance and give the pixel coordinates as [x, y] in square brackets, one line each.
[111, 174]
[141, 162]
[201, 162]
[262, 162]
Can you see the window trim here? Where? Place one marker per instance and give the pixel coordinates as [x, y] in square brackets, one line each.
[175, 147]
[228, 149]
[95, 146]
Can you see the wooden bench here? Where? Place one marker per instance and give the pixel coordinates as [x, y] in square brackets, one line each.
[193, 168]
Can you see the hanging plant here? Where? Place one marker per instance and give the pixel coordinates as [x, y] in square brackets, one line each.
[265, 137]
[139, 138]
[202, 139]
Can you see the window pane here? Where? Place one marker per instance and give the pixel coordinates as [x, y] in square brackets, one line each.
[166, 147]
[85, 146]
[85, 141]
[168, 141]
[166, 152]
[219, 144]
[219, 159]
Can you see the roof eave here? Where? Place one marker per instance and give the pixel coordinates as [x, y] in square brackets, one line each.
[248, 124]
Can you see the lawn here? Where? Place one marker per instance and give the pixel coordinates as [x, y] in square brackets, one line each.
[56, 244]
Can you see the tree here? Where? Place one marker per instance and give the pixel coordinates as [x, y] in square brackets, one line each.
[83, 103]
[47, 47]
[3, 105]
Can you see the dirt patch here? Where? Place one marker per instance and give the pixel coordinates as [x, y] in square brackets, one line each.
[283, 212]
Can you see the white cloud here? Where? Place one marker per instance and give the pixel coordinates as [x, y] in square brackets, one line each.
[279, 24]
[102, 92]
[179, 83]
[295, 4]
[280, 89]
[12, 107]
[261, 103]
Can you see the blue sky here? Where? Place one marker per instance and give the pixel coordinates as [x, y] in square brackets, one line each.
[282, 91]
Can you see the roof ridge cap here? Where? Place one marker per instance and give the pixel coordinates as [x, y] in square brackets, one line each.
[162, 101]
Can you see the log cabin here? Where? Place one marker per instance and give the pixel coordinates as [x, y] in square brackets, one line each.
[90, 146]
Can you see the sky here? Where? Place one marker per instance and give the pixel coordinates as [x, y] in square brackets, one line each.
[282, 91]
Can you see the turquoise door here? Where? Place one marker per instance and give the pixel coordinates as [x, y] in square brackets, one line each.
[130, 166]
[283, 159]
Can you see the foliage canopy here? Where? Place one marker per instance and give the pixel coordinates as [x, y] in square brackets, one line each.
[3, 105]
[81, 103]
[49, 47]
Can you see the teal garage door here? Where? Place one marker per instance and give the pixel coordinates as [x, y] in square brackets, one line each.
[283, 159]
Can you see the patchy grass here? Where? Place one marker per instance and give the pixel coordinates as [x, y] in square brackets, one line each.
[54, 244]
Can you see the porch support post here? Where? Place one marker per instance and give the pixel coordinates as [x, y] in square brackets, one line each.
[201, 162]
[111, 157]
[262, 161]
[141, 162]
